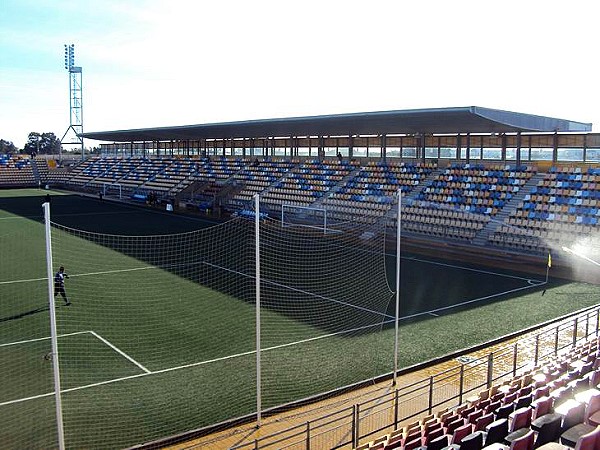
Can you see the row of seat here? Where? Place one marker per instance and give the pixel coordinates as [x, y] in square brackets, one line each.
[556, 402]
[15, 170]
[564, 195]
[285, 181]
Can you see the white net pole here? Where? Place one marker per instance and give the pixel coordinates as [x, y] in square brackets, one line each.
[53, 333]
[257, 258]
[397, 315]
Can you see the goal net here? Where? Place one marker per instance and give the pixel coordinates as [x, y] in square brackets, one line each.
[304, 216]
[160, 335]
[112, 190]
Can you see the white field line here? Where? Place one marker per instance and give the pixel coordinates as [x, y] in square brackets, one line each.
[274, 283]
[18, 217]
[487, 297]
[237, 355]
[41, 339]
[212, 265]
[185, 366]
[105, 272]
[470, 269]
[120, 352]
[93, 333]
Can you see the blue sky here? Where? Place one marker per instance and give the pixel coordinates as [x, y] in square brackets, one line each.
[158, 63]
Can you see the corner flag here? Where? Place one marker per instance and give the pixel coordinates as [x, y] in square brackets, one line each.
[549, 260]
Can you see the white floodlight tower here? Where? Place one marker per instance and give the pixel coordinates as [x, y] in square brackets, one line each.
[75, 104]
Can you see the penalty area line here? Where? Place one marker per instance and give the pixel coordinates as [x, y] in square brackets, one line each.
[185, 366]
[120, 352]
[42, 339]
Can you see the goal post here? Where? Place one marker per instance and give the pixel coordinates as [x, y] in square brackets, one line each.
[112, 189]
[304, 216]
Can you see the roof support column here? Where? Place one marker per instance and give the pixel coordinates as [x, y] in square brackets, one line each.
[518, 158]
[468, 149]
[350, 147]
[321, 151]
[296, 147]
[585, 145]
[383, 146]
[555, 148]
[458, 146]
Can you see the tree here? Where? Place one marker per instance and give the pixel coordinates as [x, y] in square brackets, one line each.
[8, 147]
[42, 143]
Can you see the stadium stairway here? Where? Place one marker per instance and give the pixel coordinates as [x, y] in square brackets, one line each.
[409, 198]
[36, 172]
[337, 187]
[482, 237]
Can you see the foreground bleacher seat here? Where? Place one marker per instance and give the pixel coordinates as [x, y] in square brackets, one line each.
[571, 434]
[537, 425]
[525, 442]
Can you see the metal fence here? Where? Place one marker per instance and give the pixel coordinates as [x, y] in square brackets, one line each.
[345, 428]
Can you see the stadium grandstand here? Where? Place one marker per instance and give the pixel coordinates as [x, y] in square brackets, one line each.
[486, 187]
[473, 175]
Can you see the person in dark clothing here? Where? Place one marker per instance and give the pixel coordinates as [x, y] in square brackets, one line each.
[59, 285]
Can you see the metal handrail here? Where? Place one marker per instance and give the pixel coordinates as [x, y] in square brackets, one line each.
[495, 367]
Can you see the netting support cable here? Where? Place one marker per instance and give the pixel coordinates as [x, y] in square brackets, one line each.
[397, 314]
[53, 332]
[257, 261]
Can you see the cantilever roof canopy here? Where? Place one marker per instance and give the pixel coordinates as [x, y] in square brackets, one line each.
[470, 119]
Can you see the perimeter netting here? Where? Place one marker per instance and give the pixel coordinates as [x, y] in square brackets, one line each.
[160, 336]
[26, 414]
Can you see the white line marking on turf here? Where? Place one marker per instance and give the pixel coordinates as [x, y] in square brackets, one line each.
[106, 272]
[171, 369]
[120, 352]
[237, 355]
[42, 339]
[301, 291]
[96, 335]
[470, 269]
[23, 281]
[487, 297]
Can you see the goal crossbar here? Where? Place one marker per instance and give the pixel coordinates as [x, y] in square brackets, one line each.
[108, 187]
[304, 216]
